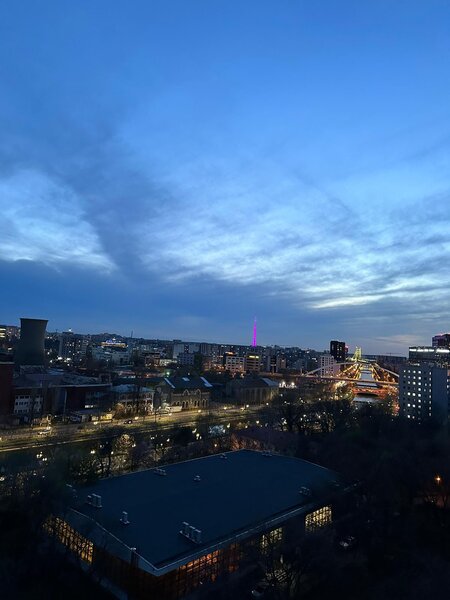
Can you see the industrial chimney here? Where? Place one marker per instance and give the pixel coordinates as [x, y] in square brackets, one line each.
[30, 350]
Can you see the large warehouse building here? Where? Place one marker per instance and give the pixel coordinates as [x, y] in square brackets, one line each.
[160, 533]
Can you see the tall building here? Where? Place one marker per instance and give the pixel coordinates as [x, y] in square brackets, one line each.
[72, 346]
[424, 384]
[252, 363]
[184, 347]
[441, 340]
[423, 391]
[338, 350]
[328, 366]
[437, 354]
[6, 386]
[274, 363]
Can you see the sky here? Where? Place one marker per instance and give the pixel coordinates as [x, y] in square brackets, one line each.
[176, 167]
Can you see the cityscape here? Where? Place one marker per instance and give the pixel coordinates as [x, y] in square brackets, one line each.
[117, 410]
[224, 300]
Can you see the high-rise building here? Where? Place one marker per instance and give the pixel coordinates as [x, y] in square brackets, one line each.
[6, 386]
[328, 366]
[441, 340]
[180, 347]
[252, 363]
[274, 363]
[72, 346]
[338, 350]
[424, 384]
[423, 391]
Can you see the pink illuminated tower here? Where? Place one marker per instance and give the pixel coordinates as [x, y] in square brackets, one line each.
[254, 334]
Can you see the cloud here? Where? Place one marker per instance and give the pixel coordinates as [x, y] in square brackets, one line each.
[44, 221]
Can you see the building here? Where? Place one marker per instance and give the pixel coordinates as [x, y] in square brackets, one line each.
[424, 391]
[252, 363]
[233, 363]
[328, 366]
[441, 340]
[31, 348]
[436, 354]
[184, 347]
[38, 392]
[130, 394]
[187, 392]
[186, 359]
[112, 355]
[194, 360]
[161, 533]
[72, 346]
[274, 363]
[338, 351]
[6, 386]
[252, 390]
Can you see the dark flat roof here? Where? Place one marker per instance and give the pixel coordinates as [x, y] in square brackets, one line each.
[241, 492]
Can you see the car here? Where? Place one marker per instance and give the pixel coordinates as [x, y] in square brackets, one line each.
[347, 542]
[261, 589]
[128, 421]
[45, 431]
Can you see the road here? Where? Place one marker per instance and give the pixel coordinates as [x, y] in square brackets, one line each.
[61, 434]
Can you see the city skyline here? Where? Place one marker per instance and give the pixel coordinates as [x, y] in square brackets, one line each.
[183, 170]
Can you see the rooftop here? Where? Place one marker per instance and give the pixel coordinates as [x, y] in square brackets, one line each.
[233, 496]
[187, 383]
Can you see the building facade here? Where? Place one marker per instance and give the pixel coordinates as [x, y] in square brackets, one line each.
[338, 350]
[328, 366]
[424, 391]
[187, 393]
[441, 340]
[233, 363]
[252, 390]
[149, 535]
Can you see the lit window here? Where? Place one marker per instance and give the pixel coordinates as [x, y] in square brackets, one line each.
[271, 538]
[318, 519]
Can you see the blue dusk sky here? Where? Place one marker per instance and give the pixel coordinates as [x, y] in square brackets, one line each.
[175, 167]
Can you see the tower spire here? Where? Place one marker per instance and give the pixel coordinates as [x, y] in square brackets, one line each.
[254, 334]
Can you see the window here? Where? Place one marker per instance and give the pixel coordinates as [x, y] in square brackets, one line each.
[70, 538]
[318, 519]
[272, 538]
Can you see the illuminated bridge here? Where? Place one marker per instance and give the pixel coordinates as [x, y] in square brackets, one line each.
[369, 377]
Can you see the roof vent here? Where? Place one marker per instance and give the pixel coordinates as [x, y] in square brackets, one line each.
[197, 478]
[196, 536]
[184, 528]
[191, 533]
[161, 472]
[305, 492]
[124, 518]
[94, 500]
